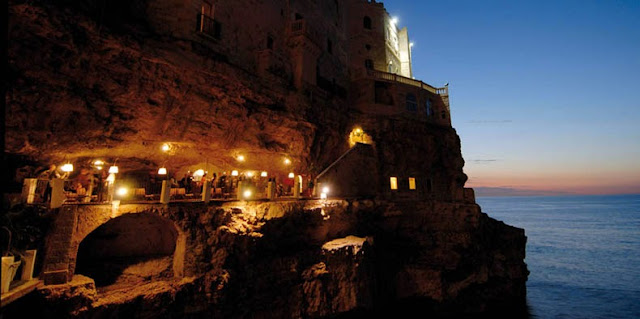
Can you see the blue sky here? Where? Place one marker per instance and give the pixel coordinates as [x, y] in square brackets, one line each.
[544, 94]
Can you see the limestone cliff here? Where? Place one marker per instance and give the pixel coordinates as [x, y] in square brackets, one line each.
[301, 259]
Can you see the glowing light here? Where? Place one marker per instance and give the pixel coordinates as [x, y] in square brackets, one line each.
[247, 194]
[250, 174]
[323, 196]
[234, 173]
[199, 172]
[393, 181]
[166, 147]
[68, 167]
[114, 170]
[325, 189]
[240, 158]
[122, 191]
[287, 161]
[263, 174]
[111, 178]
[292, 175]
[98, 163]
[412, 183]
[162, 171]
[394, 20]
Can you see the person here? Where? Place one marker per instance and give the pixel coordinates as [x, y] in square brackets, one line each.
[101, 185]
[185, 182]
[49, 174]
[83, 181]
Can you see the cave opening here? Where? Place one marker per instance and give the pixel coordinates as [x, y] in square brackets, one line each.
[130, 250]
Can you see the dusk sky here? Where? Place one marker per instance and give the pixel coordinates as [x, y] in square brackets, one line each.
[545, 95]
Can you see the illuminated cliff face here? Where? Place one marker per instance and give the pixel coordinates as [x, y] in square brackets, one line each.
[117, 91]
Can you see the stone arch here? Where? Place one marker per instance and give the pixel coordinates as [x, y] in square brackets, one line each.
[129, 249]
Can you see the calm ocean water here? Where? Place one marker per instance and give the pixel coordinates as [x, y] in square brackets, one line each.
[583, 253]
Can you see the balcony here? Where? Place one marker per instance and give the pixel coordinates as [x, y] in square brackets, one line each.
[379, 75]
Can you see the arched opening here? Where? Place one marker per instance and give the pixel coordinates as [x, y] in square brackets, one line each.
[130, 250]
[357, 135]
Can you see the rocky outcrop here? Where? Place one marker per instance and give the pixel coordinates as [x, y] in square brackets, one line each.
[318, 259]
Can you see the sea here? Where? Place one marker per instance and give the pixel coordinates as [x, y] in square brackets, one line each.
[583, 253]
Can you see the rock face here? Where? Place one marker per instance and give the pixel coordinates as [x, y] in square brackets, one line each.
[80, 90]
[305, 259]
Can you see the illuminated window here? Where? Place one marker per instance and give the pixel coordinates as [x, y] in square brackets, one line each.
[393, 181]
[412, 183]
[366, 23]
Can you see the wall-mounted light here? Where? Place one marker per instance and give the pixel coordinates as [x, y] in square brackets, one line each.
[263, 174]
[234, 173]
[240, 158]
[114, 169]
[287, 161]
[292, 175]
[162, 171]
[122, 191]
[67, 168]
[165, 147]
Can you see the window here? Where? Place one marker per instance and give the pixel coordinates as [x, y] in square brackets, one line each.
[444, 115]
[366, 23]
[206, 22]
[393, 182]
[429, 185]
[428, 107]
[329, 46]
[368, 63]
[207, 9]
[412, 104]
[269, 42]
[368, 47]
[412, 183]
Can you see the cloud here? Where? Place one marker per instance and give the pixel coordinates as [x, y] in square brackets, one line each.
[490, 121]
[484, 161]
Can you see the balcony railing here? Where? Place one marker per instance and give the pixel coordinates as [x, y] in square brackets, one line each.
[405, 80]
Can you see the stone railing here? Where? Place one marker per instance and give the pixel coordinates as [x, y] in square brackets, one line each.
[405, 80]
